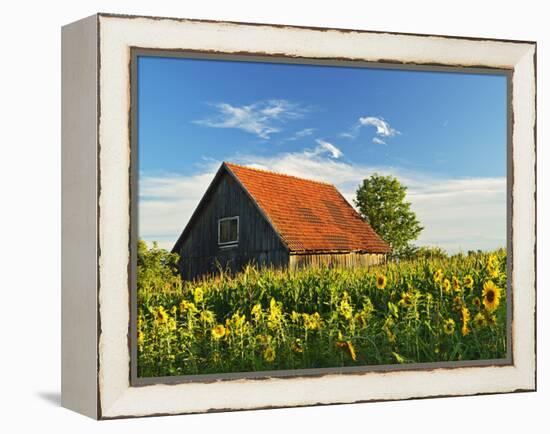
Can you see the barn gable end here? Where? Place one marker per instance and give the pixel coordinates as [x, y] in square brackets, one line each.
[258, 243]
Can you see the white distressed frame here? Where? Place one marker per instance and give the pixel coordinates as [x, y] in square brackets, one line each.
[115, 397]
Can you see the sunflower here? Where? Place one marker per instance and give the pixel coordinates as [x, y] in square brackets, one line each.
[198, 295]
[187, 306]
[456, 284]
[491, 320]
[269, 354]
[388, 328]
[361, 319]
[363, 316]
[438, 275]
[491, 296]
[256, 312]
[368, 307]
[140, 337]
[317, 320]
[457, 303]
[208, 316]
[238, 320]
[493, 267]
[465, 320]
[446, 285]
[406, 299]
[275, 316]
[348, 346]
[295, 316]
[468, 282]
[313, 321]
[218, 332]
[351, 350]
[172, 325]
[345, 308]
[161, 316]
[479, 320]
[476, 302]
[381, 281]
[449, 326]
[263, 339]
[296, 346]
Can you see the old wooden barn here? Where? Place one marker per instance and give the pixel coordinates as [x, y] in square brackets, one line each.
[270, 219]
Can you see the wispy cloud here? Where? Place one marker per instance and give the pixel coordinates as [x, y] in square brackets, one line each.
[261, 118]
[378, 141]
[457, 213]
[382, 127]
[324, 147]
[300, 134]
[351, 135]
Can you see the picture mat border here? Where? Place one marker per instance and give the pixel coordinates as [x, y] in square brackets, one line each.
[137, 52]
[117, 398]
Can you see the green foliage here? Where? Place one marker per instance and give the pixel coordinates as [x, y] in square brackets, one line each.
[258, 320]
[381, 201]
[430, 252]
[157, 269]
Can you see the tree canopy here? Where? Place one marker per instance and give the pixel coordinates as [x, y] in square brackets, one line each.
[381, 202]
[157, 268]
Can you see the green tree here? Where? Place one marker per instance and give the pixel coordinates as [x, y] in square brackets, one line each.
[430, 252]
[157, 269]
[381, 202]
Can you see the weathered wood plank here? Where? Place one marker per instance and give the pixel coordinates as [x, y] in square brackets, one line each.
[258, 242]
[335, 260]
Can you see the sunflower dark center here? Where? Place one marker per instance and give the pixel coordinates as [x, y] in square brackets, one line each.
[490, 296]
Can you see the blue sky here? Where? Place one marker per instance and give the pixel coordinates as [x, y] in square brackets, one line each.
[442, 134]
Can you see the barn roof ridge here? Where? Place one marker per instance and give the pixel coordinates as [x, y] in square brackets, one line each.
[272, 172]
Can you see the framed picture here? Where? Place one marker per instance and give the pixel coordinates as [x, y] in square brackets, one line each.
[262, 216]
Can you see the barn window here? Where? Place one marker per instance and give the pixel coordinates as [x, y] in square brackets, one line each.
[228, 231]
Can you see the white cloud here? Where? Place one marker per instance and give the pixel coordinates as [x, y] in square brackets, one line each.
[378, 141]
[305, 132]
[261, 118]
[383, 129]
[324, 147]
[300, 134]
[351, 135]
[458, 214]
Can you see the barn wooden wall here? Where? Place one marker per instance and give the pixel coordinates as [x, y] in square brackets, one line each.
[258, 242]
[336, 260]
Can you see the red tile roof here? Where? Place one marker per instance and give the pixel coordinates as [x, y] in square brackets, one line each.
[309, 215]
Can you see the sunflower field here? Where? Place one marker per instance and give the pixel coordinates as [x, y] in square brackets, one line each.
[425, 310]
